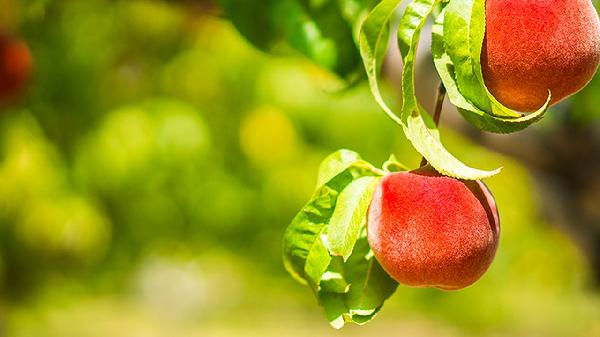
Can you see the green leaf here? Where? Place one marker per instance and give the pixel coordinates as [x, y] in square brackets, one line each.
[393, 165]
[445, 67]
[333, 280]
[457, 42]
[349, 215]
[335, 163]
[317, 260]
[416, 124]
[260, 31]
[369, 287]
[326, 244]
[363, 319]
[303, 236]
[305, 252]
[374, 35]
[335, 308]
[323, 31]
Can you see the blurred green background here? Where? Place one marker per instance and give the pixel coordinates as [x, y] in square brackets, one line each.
[147, 177]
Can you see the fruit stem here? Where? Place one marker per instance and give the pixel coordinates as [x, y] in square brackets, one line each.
[437, 112]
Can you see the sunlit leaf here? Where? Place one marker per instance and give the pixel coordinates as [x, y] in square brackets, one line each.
[334, 164]
[369, 287]
[305, 252]
[421, 133]
[349, 215]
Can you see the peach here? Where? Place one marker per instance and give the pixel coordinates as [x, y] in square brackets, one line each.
[429, 230]
[532, 46]
[15, 67]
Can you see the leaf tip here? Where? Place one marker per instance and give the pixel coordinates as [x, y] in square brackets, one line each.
[338, 322]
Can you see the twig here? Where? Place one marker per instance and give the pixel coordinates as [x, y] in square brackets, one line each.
[439, 103]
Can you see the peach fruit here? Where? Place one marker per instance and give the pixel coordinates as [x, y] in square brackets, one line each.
[532, 46]
[15, 67]
[429, 230]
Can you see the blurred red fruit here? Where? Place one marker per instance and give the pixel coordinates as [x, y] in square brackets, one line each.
[15, 67]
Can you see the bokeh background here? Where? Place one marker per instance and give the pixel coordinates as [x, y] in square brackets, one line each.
[151, 166]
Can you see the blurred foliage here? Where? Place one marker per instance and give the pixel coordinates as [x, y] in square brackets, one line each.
[148, 176]
[325, 31]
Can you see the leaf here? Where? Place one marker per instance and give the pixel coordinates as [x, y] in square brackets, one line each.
[317, 260]
[350, 214]
[438, 156]
[393, 165]
[333, 280]
[302, 238]
[445, 67]
[373, 43]
[335, 308]
[422, 134]
[323, 31]
[457, 43]
[260, 31]
[326, 244]
[369, 287]
[305, 254]
[335, 163]
[418, 129]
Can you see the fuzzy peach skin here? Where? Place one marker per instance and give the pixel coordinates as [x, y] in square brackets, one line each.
[532, 46]
[428, 230]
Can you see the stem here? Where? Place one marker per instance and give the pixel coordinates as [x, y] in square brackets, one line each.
[364, 165]
[439, 103]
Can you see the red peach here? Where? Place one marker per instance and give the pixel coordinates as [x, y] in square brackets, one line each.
[532, 46]
[15, 67]
[428, 230]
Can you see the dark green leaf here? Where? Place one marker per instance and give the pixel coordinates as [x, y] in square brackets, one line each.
[323, 31]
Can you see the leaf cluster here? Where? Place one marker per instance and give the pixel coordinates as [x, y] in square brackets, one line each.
[457, 41]
[340, 35]
[326, 244]
[324, 31]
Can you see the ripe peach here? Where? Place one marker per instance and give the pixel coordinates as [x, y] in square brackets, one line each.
[428, 230]
[15, 67]
[531, 46]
